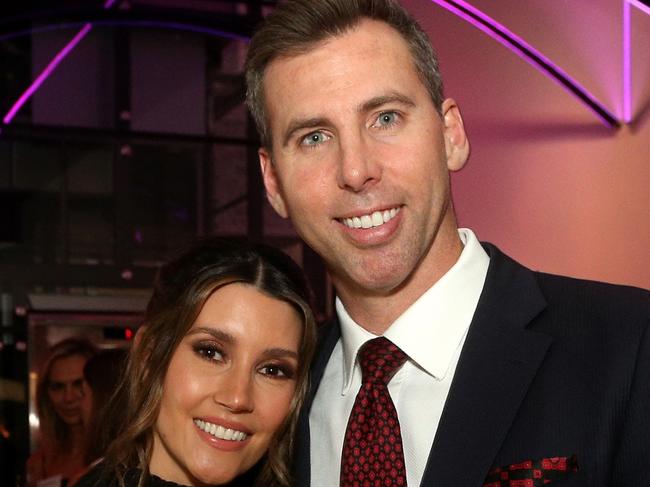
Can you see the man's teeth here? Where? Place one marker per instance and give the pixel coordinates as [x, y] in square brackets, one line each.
[371, 220]
[220, 432]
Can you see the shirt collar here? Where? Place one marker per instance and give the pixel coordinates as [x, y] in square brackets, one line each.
[434, 326]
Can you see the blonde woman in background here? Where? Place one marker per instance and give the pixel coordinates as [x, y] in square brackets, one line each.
[61, 398]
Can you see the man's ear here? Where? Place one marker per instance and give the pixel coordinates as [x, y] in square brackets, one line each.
[272, 183]
[456, 141]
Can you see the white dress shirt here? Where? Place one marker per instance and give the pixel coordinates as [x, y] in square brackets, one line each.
[431, 332]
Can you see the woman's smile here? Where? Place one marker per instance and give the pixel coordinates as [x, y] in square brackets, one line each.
[228, 387]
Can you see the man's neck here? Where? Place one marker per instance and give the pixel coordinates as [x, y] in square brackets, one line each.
[377, 311]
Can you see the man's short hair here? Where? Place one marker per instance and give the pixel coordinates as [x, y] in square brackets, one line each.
[296, 26]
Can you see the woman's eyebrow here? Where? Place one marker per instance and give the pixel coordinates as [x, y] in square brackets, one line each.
[274, 352]
[280, 353]
[215, 332]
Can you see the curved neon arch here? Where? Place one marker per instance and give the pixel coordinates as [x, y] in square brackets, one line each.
[86, 27]
[460, 8]
[527, 52]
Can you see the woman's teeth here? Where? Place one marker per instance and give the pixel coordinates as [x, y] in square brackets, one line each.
[370, 220]
[220, 432]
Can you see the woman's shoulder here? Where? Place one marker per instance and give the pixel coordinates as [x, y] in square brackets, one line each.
[36, 459]
[35, 467]
[101, 476]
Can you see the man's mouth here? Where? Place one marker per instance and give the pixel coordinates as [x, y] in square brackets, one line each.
[370, 220]
[220, 432]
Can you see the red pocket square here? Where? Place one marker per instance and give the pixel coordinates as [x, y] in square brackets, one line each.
[531, 473]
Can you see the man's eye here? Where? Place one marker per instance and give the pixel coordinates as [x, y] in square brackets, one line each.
[314, 138]
[386, 119]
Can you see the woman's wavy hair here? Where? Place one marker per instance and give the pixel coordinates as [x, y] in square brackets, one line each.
[181, 288]
[54, 432]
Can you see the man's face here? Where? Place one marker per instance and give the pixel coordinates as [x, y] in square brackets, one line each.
[360, 159]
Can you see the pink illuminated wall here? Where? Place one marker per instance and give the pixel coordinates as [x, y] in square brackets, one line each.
[547, 181]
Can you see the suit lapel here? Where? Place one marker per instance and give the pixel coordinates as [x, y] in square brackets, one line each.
[497, 364]
[329, 335]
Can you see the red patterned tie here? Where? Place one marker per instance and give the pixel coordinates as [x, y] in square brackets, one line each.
[372, 449]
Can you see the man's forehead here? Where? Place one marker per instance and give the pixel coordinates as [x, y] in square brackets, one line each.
[338, 67]
[370, 36]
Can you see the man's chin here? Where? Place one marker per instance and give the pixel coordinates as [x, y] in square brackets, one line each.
[378, 283]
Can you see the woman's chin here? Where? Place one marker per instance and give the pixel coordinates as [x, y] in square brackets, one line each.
[208, 475]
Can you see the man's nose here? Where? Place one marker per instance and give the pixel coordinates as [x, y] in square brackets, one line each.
[358, 165]
[234, 390]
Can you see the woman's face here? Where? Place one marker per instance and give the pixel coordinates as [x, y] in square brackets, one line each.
[228, 387]
[66, 390]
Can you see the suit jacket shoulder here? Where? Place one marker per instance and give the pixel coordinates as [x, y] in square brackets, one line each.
[551, 367]
[560, 366]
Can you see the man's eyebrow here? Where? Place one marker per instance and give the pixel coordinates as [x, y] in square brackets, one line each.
[369, 105]
[378, 101]
[302, 123]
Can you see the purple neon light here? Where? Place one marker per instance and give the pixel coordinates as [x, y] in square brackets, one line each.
[627, 55]
[486, 24]
[640, 5]
[130, 23]
[52, 65]
[627, 60]
[36, 84]
[527, 52]
[178, 26]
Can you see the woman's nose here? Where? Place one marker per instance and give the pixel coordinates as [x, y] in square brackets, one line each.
[235, 391]
[71, 394]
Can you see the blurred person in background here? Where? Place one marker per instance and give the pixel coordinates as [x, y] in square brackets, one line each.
[61, 397]
[103, 373]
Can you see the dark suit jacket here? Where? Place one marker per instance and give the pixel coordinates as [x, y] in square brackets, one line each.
[552, 366]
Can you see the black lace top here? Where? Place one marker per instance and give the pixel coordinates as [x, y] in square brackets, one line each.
[97, 477]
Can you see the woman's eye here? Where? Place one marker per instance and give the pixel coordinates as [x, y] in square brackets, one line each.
[278, 371]
[314, 138]
[386, 119]
[209, 352]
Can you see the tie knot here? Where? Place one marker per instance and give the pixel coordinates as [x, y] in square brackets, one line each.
[379, 359]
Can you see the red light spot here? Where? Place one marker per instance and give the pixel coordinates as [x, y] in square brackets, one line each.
[128, 333]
